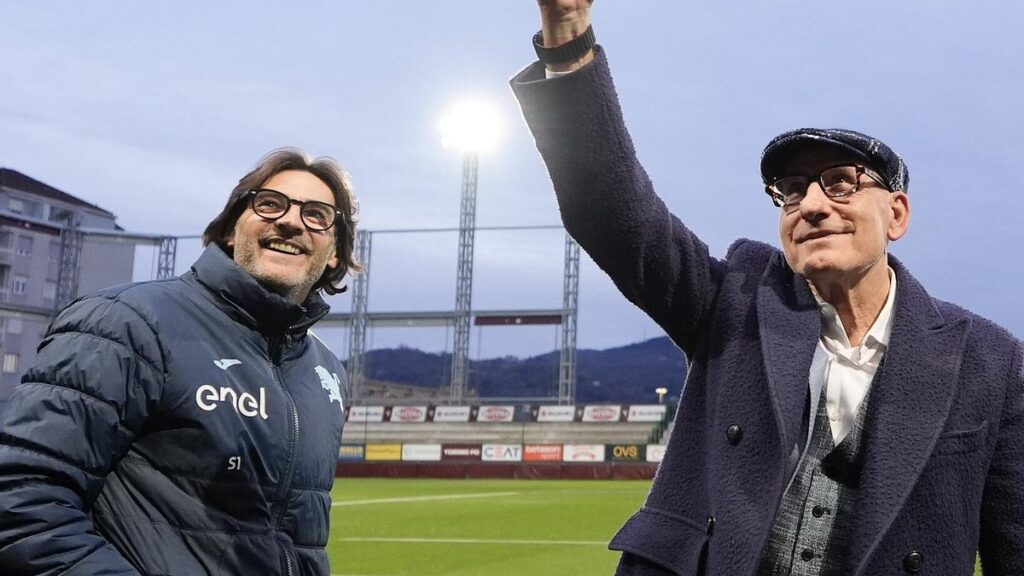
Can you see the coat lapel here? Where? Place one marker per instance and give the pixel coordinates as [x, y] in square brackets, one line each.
[790, 325]
[907, 408]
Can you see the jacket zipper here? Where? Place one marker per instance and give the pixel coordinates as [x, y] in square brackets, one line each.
[275, 349]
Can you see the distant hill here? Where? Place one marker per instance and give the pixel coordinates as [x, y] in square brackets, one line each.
[627, 375]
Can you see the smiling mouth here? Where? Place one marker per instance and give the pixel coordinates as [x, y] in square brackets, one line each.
[818, 236]
[284, 247]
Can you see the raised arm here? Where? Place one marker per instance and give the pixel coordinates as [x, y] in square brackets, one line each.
[606, 199]
[61, 432]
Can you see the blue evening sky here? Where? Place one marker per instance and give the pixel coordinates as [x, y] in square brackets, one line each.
[153, 110]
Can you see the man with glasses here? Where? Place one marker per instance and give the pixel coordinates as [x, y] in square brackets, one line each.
[836, 418]
[191, 426]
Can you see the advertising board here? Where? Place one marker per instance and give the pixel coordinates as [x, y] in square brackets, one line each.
[502, 453]
[542, 453]
[625, 452]
[655, 452]
[646, 413]
[421, 452]
[583, 453]
[409, 414]
[351, 453]
[556, 413]
[366, 414]
[383, 452]
[460, 452]
[495, 413]
[451, 414]
[601, 413]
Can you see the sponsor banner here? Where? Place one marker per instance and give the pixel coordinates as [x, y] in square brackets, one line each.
[655, 452]
[542, 453]
[625, 452]
[556, 413]
[351, 452]
[502, 453]
[366, 414]
[409, 414]
[421, 452]
[451, 414]
[383, 452]
[646, 413]
[460, 452]
[583, 453]
[495, 413]
[602, 413]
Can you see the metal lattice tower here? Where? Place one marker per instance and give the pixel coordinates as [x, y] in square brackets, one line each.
[167, 256]
[570, 301]
[70, 253]
[357, 332]
[464, 277]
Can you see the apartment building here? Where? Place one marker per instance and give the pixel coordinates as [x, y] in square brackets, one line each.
[53, 247]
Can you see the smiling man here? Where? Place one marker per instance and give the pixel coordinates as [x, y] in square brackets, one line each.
[836, 418]
[191, 426]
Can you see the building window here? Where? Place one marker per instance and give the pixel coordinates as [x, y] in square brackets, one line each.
[13, 325]
[10, 363]
[18, 285]
[16, 206]
[54, 251]
[6, 239]
[49, 290]
[24, 246]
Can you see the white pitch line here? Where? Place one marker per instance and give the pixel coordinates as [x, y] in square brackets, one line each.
[477, 541]
[423, 498]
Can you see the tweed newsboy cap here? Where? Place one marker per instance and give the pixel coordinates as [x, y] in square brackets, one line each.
[872, 151]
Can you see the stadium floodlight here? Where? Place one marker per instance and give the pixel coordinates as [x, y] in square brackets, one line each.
[470, 126]
[661, 391]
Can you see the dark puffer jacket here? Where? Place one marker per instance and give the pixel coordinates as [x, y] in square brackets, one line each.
[187, 426]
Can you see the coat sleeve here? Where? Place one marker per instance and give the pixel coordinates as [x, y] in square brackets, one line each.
[1001, 544]
[607, 201]
[97, 375]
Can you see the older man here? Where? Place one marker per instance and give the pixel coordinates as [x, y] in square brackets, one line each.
[836, 418]
[191, 426]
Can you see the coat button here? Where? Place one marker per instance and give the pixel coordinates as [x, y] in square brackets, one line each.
[818, 511]
[913, 562]
[734, 434]
[807, 555]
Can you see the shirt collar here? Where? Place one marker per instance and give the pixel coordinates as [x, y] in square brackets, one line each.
[834, 334]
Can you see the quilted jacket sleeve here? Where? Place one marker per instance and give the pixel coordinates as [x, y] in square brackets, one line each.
[95, 380]
[607, 200]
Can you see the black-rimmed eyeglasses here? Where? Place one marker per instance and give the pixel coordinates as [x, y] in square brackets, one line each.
[837, 182]
[272, 205]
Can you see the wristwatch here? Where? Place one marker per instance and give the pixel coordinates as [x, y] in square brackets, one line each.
[569, 52]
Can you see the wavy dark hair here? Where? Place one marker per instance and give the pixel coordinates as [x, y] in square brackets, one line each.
[326, 169]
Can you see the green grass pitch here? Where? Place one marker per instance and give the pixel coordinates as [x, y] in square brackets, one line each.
[386, 527]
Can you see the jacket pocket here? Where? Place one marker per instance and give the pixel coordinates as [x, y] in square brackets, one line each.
[668, 540]
[961, 441]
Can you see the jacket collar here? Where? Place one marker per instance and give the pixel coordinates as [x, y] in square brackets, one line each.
[238, 294]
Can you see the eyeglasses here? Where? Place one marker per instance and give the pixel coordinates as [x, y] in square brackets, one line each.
[837, 182]
[272, 205]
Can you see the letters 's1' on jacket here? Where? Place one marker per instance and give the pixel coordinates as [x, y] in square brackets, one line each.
[185, 426]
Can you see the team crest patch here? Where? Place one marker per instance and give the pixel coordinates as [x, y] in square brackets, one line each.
[331, 383]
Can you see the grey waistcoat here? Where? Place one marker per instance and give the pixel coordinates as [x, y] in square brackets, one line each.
[808, 537]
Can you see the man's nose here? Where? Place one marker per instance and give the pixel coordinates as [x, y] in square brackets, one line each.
[815, 204]
[292, 218]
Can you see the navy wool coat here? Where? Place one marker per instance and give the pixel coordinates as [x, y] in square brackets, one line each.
[942, 461]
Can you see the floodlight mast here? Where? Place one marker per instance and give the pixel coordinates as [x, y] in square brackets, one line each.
[470, 127]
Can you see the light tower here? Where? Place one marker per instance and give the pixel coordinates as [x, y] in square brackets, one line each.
[470, 127]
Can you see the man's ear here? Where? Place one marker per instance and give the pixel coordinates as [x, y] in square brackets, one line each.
[900, 207]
